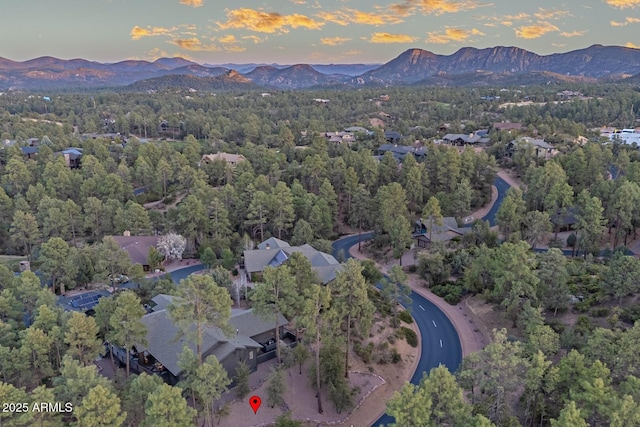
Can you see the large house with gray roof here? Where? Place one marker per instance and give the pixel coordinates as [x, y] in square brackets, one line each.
[426, 231]
[275, 252]
[253, 337]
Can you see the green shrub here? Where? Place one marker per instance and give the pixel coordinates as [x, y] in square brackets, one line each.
[451, 292]
[600, 312]
[405, 316]
[410, 336]
[395, 356]
[364, 353]
[630, 314]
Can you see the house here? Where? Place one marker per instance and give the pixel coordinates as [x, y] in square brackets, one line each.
[392, 137]
[541, 147]
[84, 302]
[137, 247]
[565, 221]
[275, 252]
[340, 137]
[359, 129]
[251, 343]
[231, 159]
[507, 126]
[29, 153]
[400, 151]
[626, 136]
[464, 139]
[72, 157]
[438, 233]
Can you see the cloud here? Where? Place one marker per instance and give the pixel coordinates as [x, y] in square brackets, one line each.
[139, 32]
[628, 20]
[434, 7]
[193, 3]
[230, 38]
[267, 22]
[632, 46]
[333, 41]
[298, 1]
[353, 16]
[235, 48]
[352, 52]
[550, 14]
[194, 44]
[573, 33]
[254, 39]
[623, 4]
[391, 38]
[535, 31]
[452, 35]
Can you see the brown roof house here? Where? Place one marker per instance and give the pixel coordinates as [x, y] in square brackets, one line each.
[137, 247]
[250, 342]
[231, 159]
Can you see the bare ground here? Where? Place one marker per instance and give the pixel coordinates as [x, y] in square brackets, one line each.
[375, 388]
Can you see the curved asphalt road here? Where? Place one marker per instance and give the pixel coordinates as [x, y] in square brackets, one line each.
[440, 342]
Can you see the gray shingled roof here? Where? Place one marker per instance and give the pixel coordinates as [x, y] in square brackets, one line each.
[165, 342]
[273, 243]
[324, 264]
[161, 301]
[442, 233]
[537, 142]
[249, 324]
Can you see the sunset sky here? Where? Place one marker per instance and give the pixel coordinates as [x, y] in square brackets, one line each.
[305, 31]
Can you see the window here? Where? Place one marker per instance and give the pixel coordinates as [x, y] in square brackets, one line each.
[251, 355]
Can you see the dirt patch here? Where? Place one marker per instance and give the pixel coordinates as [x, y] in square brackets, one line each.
[374, 390]
[510, 178]
[160, 206]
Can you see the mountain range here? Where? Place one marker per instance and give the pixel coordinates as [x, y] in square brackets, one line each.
[468, 66]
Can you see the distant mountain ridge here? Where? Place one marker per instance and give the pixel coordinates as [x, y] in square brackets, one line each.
[468, 66]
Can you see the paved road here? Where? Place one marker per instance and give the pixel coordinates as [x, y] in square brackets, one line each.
[182, 273]
[502, 187]
[440, 341]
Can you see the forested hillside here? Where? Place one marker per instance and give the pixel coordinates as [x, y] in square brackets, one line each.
[299, 186]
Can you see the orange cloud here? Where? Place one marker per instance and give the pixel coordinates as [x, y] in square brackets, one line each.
[439, 7]
[254, 39]
[193, 3]
[628, 20]
[267, 22]
[139, 32]
[230, 38]
[573, 34]
[632, 46]
[391, 38]
[535, 31]
[334, 41]
[194, 44]
[234, 48]
[550, 14]
[353, 16]
[452, 35]
[623, 4]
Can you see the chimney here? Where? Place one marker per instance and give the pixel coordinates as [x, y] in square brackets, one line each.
[268, 246]
[127, 233]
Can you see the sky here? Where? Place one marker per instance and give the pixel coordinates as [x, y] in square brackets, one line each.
[305, 31]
